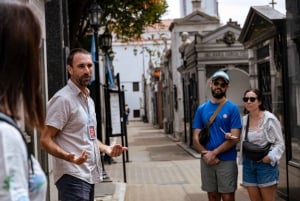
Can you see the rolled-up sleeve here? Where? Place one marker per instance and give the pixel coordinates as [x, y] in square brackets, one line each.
[275, 136]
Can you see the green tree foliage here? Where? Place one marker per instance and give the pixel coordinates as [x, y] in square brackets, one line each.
[126, 18]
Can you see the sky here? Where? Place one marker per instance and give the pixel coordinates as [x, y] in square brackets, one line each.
[237, 10]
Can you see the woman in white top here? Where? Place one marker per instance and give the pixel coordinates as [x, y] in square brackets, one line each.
[261, 177]
[21, 177]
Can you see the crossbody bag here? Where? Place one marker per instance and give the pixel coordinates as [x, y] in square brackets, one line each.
[253, 151]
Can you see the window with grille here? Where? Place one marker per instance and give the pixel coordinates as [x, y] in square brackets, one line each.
[136, 113]
[135, 86]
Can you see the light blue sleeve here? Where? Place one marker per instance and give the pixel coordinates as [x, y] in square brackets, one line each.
[37, 182]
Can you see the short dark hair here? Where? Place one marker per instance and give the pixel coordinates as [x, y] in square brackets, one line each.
[73, 52]
[259, 97]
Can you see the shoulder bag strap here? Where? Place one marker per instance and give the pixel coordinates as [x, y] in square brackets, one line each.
[247, 128]
[12, 122]
[9, 120]
[212, 118]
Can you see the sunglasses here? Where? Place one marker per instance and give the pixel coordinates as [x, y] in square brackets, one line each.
[252, 99]
[221, 84]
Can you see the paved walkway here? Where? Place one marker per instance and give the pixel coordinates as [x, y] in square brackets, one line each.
[159, 169]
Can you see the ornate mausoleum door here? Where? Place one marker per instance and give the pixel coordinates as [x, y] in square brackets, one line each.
[264, 82]
[264, 76]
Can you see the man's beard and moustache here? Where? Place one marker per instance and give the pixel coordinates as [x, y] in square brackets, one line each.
[84, 80]
[218, 95]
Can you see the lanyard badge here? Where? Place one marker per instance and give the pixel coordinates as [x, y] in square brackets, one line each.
[91, 129]
[91, 132]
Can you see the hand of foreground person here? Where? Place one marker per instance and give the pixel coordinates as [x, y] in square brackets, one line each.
[115, 150]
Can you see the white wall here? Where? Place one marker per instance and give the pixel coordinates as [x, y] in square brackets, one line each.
[130, 69]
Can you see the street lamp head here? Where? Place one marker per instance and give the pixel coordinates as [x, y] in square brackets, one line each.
[95, 15]
[111, 54]
[105, 40]
[135, 51]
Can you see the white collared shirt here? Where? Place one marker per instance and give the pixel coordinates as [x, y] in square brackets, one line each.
[68, 112]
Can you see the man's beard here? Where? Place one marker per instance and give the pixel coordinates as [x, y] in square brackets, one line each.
[218, 95]
[84, 80]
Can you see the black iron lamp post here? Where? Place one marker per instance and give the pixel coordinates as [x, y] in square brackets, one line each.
[95, 15]
[105, 40]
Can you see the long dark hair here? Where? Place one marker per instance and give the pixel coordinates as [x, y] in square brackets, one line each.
[259, 98]
[20, 73]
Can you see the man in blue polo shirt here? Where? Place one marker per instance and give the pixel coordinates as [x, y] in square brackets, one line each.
[218, 162]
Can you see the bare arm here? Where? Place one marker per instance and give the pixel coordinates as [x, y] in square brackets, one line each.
[200, 148]
[227, 144]
[210, 157]
[112, 151]
[48, 144]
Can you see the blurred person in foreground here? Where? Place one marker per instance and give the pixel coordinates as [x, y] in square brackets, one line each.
[21, 176]
[261, 177]
[70, 134]
[218, 162]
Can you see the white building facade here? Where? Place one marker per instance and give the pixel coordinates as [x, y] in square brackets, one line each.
[135, 61]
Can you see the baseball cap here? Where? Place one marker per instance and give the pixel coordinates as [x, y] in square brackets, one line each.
[220, 74]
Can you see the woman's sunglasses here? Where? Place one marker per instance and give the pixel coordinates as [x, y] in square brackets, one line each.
[221, 84]
[252, 99]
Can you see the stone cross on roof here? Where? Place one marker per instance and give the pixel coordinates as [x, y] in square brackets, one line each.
[273, 3]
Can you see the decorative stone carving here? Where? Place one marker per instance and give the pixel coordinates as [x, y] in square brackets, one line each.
[185, 41]
[229, 38]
